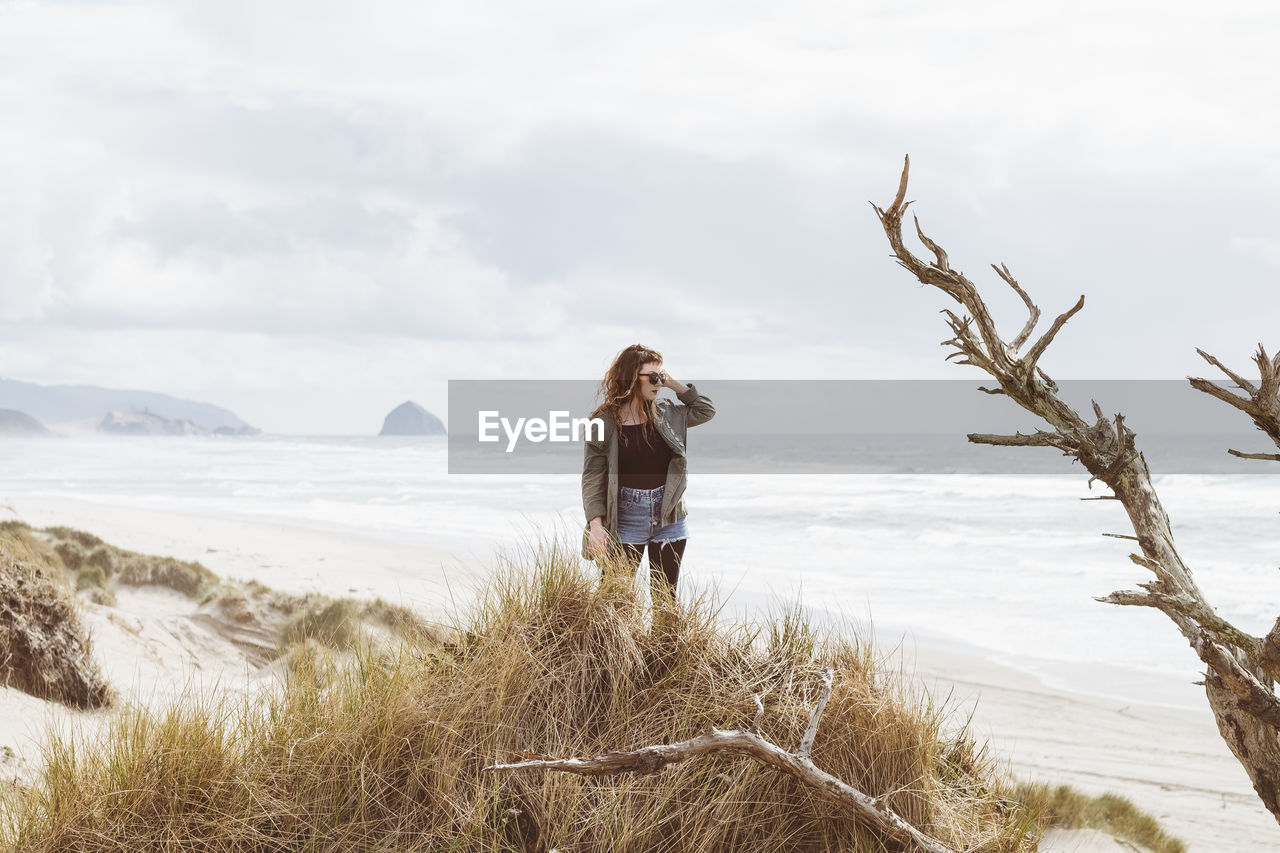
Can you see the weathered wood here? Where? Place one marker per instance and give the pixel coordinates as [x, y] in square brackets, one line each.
[1269, 457]
[871, 811]
[1261, 402]
[1032, 310]
[815, 719]
[1037, 439]
[1241, 668]
[651, 759]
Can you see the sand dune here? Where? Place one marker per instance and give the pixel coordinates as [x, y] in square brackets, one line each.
[155, 643]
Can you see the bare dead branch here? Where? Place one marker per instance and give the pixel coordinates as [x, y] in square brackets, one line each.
[1241, 668]
[650, 759]
[1226, 395]
[951, 282]
[1148, 563]
[1261, 402]
[1033, 310]
[897, 206]
[1121, 536]
[1250, 694]
[1128, 597]
[1271, 648]
[1038, 348]
[1039, 438]
[1268, 457]
[815, 719]
[941, 262]
[1241, 382]
[871, 811]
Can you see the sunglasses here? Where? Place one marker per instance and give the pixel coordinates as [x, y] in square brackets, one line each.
[655, 378]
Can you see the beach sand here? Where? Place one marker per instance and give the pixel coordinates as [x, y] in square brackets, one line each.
[1169, 761]
[285, 557]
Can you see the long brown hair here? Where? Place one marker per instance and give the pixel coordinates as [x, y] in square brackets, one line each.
[619, 383]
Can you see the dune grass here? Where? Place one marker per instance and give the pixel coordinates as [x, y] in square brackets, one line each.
[1067, 807]
[378, 747]
[341, 623]
[44, 649]
[78, 549]
[387, 754]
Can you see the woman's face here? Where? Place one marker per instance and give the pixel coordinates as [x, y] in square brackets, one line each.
[645, 389]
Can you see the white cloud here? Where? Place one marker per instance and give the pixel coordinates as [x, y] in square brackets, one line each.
[1264, 249]
[482, 187]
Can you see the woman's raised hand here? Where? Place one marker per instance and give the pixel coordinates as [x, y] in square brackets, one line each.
[674, 384]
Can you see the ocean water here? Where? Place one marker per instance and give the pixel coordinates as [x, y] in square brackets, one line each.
[1006, 566]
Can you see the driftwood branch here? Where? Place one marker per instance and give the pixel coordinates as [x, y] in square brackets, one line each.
[1242, 383]
[815, 719]
[1241, 668]
[871, 811]
[1269, 457]
[1032, 309]
[1038, 348]
[1037, 439]
[1260, 402]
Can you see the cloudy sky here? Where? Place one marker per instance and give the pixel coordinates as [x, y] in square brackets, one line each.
[310, 212]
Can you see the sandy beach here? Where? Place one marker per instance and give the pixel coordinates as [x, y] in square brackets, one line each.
[289, 558]
[1169, 761]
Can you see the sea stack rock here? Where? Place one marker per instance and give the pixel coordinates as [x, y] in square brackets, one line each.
[409, 418]
[13, 422]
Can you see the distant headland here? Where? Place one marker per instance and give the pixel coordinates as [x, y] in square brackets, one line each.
[27, 408]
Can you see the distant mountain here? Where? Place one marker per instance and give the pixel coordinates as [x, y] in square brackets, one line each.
[409, 418]
[20, 423]
[144, 423]
[57, 404]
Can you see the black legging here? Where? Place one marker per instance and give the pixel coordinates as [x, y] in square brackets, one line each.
[664, 562]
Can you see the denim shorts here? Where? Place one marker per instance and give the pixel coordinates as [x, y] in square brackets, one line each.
[640, 518]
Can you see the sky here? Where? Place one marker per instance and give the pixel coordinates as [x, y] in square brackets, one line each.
[311, 212]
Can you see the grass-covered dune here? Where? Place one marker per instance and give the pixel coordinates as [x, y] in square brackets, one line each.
[44, 649]
[385, 750]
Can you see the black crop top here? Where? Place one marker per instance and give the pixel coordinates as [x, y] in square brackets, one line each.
[643, 457]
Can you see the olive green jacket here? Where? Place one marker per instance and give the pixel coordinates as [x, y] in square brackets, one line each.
[600, 463]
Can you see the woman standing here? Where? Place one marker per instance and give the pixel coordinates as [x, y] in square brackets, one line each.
[633, 479]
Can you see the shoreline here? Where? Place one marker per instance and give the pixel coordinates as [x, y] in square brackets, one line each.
[1168, 759]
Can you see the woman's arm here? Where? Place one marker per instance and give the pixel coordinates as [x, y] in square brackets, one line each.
[595, 480]
[701, 409]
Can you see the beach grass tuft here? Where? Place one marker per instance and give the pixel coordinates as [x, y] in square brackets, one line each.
[94, 579]
[343, 623]
[330, 622]
[186, 577]
[1070, 808]
[78, 549]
